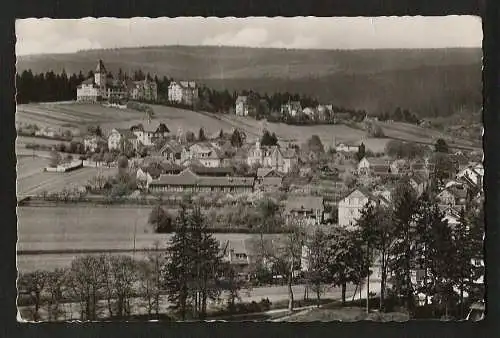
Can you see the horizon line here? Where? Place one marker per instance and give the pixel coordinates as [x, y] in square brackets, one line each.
[249, 47]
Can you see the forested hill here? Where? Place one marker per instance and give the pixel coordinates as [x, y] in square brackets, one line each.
[434, 82]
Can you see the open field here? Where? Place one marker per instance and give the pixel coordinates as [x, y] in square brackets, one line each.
[73, 228]
[177, 119]
[31, 179]
[415, 133]
[89, 228]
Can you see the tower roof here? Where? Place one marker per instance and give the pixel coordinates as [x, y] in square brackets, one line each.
[100, 67]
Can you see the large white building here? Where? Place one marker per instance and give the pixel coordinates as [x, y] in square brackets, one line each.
[100, 87]
[184, 92]
[349, 208]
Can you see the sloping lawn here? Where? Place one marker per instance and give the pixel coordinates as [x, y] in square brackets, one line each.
[346, 314]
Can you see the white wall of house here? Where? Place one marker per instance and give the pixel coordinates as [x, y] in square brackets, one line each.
[86, 93]
[114, 140]
[349, 209]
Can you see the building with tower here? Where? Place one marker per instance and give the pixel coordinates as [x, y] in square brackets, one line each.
[103, 88]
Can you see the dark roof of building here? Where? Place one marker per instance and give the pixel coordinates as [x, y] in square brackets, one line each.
[378, 161]
[295, 203]
[263, 172]
[90, 80]
[171, 168]
[188, 84]
[188, 178]
[176, 148]
[368, 194]
[272, 181]
[208, 171]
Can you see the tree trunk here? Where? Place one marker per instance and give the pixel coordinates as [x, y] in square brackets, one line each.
[37, 306]
[318, 294]
[204, 305]
[462, 299]
[344, 287]
[383, 282]
[355, 292]
[290, 290]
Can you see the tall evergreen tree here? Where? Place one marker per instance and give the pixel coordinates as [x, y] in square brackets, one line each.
[405, 204]
[206, 261]
[179, 264]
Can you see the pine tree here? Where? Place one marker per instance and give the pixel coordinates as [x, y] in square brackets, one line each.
[464, 255]
[405, 204]
[361, 152]
[201, 135]
[205, 263]
[179, 264]
[377, 230]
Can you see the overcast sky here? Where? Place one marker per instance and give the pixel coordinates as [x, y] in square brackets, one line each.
[36, 36]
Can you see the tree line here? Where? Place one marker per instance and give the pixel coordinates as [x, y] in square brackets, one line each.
[51, 87]
[409, 235]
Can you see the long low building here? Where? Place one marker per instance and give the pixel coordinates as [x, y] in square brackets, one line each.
[187, 181]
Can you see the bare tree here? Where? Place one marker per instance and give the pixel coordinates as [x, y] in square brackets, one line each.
[56, 284]
[33, 284]
[87, 283]
[123, 276]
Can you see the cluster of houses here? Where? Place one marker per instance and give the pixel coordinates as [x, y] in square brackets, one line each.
[311, 209]
[321, 113]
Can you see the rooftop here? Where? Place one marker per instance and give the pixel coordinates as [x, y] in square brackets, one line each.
[188, 178]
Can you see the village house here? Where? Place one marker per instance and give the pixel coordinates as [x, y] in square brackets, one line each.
[451, 215]
[146, 90]
[172, 152]
[309, 209]
[272, 157]
[324, 112]
[119, 137]
[242, 108]
[47, 132]
[400, 167]
[148, 137]
[188, 181]
[93, 143]
[472, 173]
[350, 207]
[374, 166]
[184, 92]
[311, 113]
[346, 148]
[143, 178]
[418, 183]
[292, 108]
[452, 196]
[236, 253]
[206, 155]
[268, 180]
